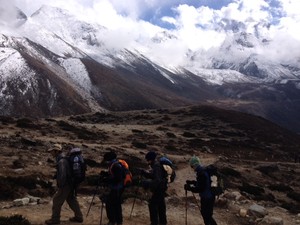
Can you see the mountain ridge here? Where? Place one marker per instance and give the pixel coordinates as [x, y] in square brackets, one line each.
[68, 50]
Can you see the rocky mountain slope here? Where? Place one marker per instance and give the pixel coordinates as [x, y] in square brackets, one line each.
[52, 63]
[257, 158]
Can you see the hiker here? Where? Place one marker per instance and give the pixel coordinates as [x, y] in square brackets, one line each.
[157, 183]
[202, 186]
[115, 181]
[65, 191]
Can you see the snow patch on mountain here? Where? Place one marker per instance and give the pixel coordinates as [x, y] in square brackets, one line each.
[78, 77]
[14, 71]
[219, 77]
[13, 65]
[77, 72]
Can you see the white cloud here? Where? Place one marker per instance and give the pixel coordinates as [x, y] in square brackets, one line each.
[246, 10]
[196, 28]
[7, 12]
[291, 8]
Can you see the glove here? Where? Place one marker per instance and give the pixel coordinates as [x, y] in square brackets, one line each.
[191, 182]
[187, 187]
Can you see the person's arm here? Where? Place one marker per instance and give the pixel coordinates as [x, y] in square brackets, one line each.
[197, 186]
[201, 182]
[147, 174]
[157, 177]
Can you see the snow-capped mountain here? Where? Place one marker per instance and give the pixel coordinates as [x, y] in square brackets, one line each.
[52, 63]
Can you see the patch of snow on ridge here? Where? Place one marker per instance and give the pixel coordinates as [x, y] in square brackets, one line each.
[167, 76]
[77, 73]
[219, 77]
[78, 77]
[48, 39]
[10, 61]
[63, 34]
[14, 69]
[13, 65]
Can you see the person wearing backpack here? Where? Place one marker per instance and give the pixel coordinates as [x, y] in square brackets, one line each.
[77, 167]
[115, 182]
[157, 181]
[65, 191]
[202, 185]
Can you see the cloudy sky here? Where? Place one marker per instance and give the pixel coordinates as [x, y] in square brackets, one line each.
[195, 22]
[188, 16]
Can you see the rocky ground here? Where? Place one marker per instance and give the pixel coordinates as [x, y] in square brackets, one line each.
[256, 157]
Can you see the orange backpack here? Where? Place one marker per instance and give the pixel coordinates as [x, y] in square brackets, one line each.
[126, 172]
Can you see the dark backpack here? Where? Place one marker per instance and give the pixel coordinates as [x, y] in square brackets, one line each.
[216, 180]
[77, 166]
[168, 167]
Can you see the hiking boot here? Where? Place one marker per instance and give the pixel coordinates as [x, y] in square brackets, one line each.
[52, 222]
[76, 220]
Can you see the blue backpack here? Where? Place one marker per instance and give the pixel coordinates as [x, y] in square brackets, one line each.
[77, 166]
[168, 166]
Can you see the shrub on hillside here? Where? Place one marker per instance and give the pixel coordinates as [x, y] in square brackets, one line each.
[15, 220]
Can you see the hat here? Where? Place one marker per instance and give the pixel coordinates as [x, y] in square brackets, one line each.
[75, 151]
[55, 147]
[108, 156]
[194, 161]
[150, 156]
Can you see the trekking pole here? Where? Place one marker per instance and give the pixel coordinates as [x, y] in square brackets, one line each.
[101, 212]
[96, 191]
[186, 206]
[196, 201]
[135, 195]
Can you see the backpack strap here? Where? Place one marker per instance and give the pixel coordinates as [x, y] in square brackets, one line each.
[116, 175]
[110, 169]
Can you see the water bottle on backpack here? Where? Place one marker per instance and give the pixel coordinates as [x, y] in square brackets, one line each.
[77, 166]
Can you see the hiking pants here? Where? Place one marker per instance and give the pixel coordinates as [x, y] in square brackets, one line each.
[114, 206]
[63, 194]
[207, 207]
[157, 208]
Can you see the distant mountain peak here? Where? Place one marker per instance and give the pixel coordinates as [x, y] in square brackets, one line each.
[50, 11]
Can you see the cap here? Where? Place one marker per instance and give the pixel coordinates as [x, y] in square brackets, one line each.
[108, 156]
[75, 151]
[150, 156]
[194, 161]
[55, 147]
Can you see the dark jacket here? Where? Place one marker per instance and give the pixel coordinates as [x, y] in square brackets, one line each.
[116, 175]
[63, 173]
[157, 178]
[202, 184]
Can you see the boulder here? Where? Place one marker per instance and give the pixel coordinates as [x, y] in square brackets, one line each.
[257, 211]
[21, 201]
